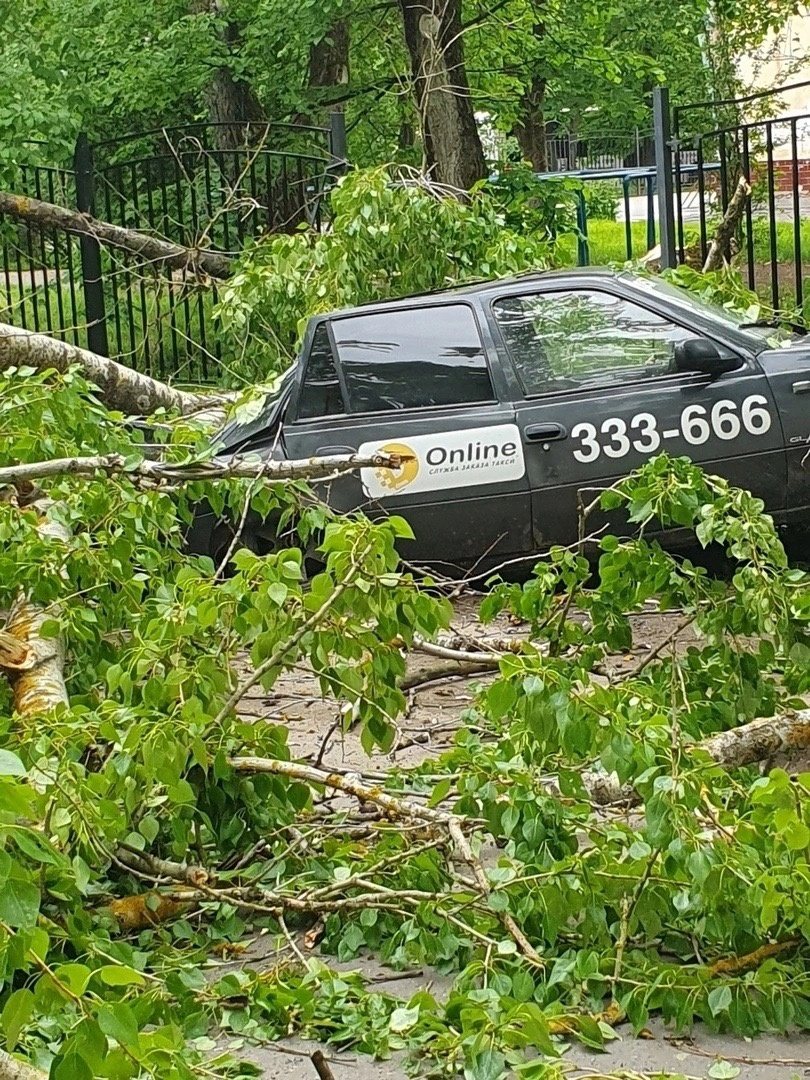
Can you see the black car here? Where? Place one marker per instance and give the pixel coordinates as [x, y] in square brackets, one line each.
[510, 396]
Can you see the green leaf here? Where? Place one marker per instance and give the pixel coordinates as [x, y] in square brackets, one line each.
[10, 764]
[17, 1011]
[119, 1023]
[19, 904]
[119, 975]
[74, 976]
[403, 1019]
[723, 1070]
[71, 1066]
[719, 999]
[487, 1065]
[797, 835]
[440, 792]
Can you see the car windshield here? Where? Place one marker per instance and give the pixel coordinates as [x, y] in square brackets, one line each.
[735, 320]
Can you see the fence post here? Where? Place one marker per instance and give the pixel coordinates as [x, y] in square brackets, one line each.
[583, 248]
[663, 172]
[92, 284]
[338, 150]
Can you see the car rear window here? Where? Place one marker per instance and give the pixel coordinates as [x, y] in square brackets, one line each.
[412, 359]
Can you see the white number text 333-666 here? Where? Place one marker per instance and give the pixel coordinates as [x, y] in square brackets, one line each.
[725, 420]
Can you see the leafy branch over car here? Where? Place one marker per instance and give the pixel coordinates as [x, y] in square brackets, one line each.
[144, 795]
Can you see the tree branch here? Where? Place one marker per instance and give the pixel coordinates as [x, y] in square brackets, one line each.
[744, 745]
[121, 388]
[397, 808]
[716, 255]
[45, 215]
[316, 468]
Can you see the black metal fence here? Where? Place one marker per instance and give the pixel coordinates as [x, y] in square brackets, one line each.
[758, 137]
[199, 185]
[602, 150]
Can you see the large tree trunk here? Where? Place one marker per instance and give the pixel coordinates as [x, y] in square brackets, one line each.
[433, 34]
[232, 106]
[150, 249]
[329, 66]
[530, 131]
[755, 741]
[12, 1069]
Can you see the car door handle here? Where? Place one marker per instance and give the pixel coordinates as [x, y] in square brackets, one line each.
[802, 387]
[328, 451]
[544, 432]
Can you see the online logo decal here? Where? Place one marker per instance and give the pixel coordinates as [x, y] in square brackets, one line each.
[397, 479]
[451, 461]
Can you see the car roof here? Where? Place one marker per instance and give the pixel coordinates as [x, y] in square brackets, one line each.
[485, 287]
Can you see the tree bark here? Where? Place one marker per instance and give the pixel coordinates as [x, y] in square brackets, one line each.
[231, 104]
[329, 65]
[315, 468]
[719, 250]
[122, 388]
[38, 682]
[433, 35]
[151, 249]
[744, 745]
[530, 131]
[12, 1069]
[36, 668]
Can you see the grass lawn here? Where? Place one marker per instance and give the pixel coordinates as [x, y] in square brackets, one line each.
[607, 244]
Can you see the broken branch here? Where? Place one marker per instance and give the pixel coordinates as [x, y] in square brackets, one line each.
[46, 215]
[316, 468]
[396, 807]
[744, 745]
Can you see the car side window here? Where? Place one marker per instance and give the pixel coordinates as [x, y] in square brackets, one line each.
[412, 359]
[320, 394]
[581, 338]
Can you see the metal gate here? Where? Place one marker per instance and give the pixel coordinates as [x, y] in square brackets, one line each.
[199, 185]
[764, 137]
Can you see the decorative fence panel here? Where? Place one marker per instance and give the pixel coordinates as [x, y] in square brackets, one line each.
[199, 185]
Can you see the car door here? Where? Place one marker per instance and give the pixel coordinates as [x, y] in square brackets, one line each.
[601, 398]
[787, 368]
[417, 381]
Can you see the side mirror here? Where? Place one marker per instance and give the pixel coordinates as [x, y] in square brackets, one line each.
[701, 355]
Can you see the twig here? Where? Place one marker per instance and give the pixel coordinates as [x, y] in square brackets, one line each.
[656, 652]
[275, 659]
[396, 807]
[322, 1066]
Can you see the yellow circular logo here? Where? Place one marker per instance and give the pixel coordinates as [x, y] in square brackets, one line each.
[396, 479]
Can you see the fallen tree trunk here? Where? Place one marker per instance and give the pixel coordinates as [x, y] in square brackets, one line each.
[316, 468]
[34, 664]
[12, 1069]
[151, 249]
[122, 388]
[744, 745]
[719, 247]
[37, 680]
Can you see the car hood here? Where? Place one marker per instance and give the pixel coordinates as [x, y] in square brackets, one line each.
[239, 431]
